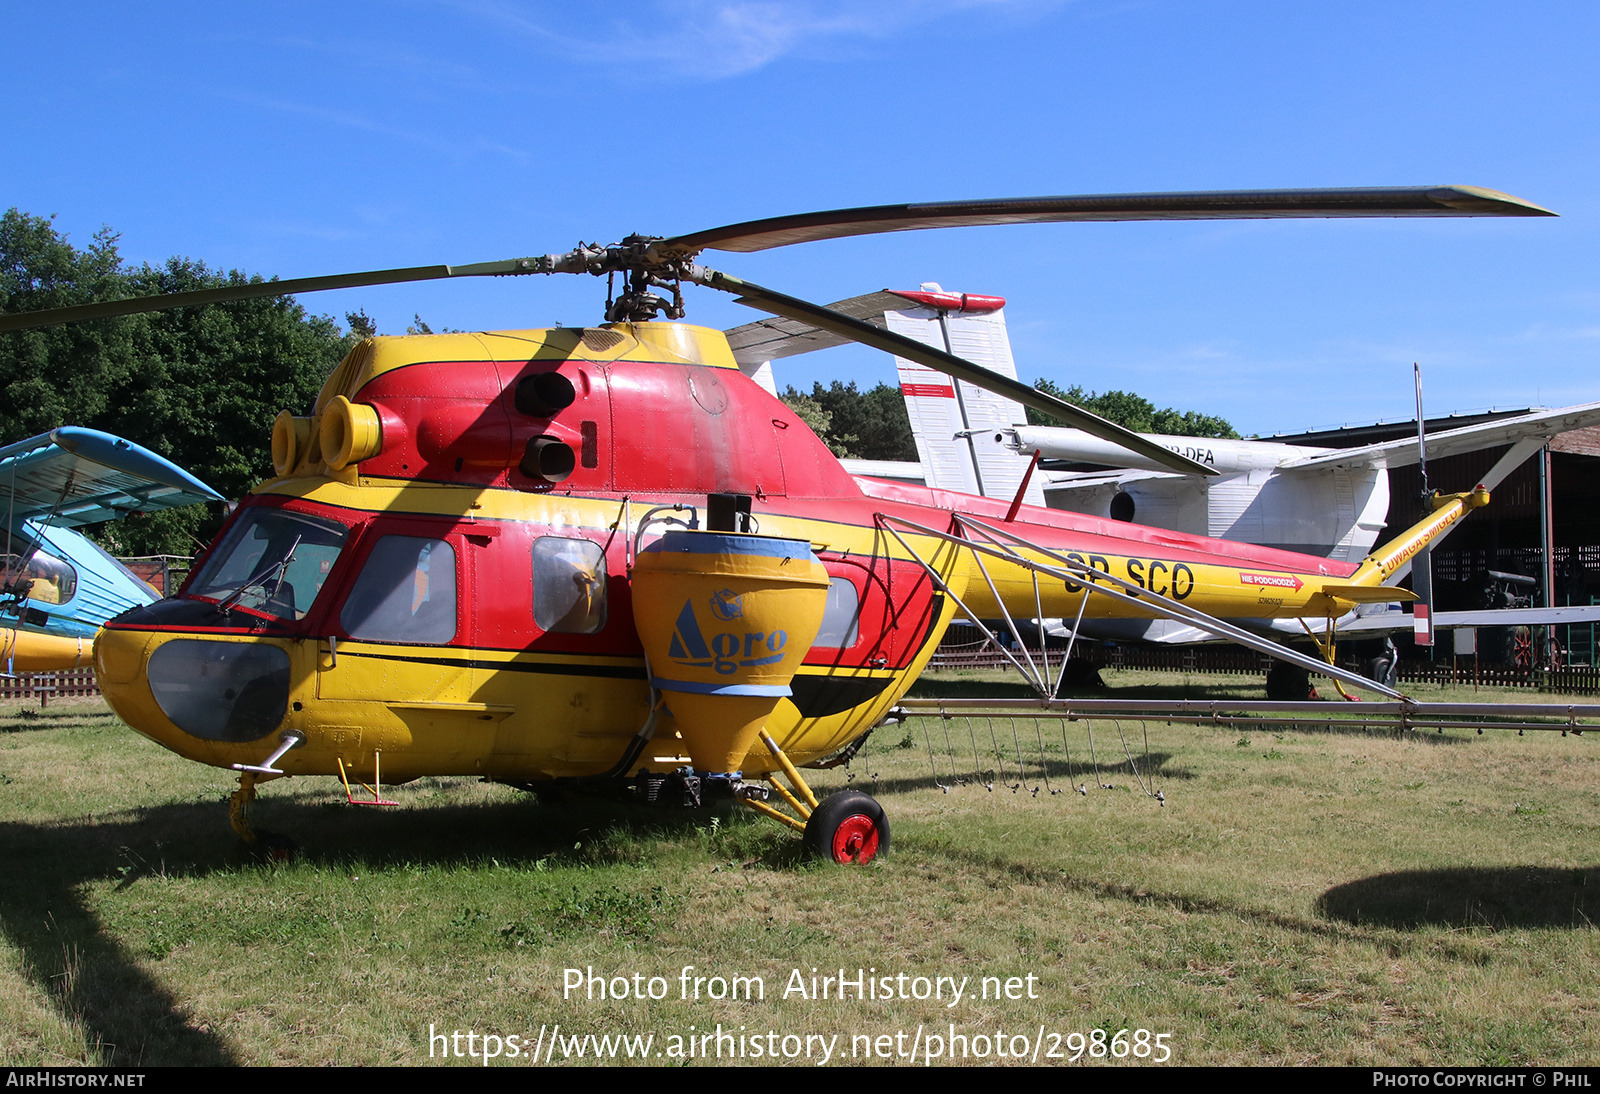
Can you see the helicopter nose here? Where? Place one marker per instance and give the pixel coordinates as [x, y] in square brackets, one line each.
[219, 690]
[118, 657]
[119, 669]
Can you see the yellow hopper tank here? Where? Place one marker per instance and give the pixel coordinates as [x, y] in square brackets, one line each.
[726, 620]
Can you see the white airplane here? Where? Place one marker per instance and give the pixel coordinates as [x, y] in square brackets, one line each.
[1327, 501]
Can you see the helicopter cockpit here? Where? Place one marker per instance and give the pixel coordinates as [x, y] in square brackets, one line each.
[35, 574]
[273, 561]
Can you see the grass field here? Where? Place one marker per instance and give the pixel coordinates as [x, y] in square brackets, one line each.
[1318, 896]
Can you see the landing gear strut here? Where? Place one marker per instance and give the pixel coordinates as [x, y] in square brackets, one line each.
[267, 846]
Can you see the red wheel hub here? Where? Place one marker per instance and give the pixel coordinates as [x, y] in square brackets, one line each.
[855, 840]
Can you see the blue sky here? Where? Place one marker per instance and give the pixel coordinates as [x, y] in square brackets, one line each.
[294, 139]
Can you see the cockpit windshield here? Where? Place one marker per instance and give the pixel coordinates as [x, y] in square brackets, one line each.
[273, 561]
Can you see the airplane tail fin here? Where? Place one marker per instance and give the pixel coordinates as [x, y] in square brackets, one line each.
[1382, 564]
[957, 426]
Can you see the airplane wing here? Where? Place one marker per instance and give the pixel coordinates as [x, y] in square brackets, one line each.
[1053, 480]
[900, 470]
[1452, 442]
[73, 476]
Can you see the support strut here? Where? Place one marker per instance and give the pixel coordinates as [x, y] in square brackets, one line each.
[801, 799]
[239, 805]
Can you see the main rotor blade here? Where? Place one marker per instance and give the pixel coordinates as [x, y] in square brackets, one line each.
[1390, 201]
[253, 290]
[856, 330]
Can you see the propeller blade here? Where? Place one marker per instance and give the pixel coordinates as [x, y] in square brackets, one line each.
[856, 330]
[1388, 201]
[132, 305]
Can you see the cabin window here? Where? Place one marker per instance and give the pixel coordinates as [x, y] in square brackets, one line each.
[406, 593]
[41, 576]
[272, 561]
[569, 585]
[841, 619]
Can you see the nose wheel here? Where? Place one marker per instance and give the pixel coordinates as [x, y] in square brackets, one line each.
[264, 845]
[848, 827]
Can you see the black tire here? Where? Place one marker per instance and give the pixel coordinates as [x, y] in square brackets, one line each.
[1286, 681]
[848, 827]
[272, 848]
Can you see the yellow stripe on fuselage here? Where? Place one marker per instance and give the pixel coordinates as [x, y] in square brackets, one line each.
[1219, 590]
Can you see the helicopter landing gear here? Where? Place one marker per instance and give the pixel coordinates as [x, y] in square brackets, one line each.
[848, 826]
[1286, 681]
[239, 805]
[263, 845]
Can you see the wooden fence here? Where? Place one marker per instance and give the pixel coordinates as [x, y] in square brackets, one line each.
[44, 686]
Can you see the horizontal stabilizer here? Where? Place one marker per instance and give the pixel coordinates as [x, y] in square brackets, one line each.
[1393, 621]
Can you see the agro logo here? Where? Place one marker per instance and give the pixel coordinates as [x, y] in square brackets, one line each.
[725, 605]
[727, 651]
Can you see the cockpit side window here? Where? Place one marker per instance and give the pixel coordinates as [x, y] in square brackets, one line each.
[406, 592]
[841, 620]
[38, 574]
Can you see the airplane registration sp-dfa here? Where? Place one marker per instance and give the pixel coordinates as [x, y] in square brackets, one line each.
[603, 554]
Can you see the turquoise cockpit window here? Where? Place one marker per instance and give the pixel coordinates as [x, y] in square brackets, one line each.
[569, 585]
[406, 593]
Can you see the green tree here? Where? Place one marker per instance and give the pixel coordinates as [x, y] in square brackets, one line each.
[1133, 412]
[809, 411]
[869, 426]
[65, 374]
[361, 326]
[201, 386]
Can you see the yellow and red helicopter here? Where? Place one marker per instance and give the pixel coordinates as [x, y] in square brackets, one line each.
[603, 554]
